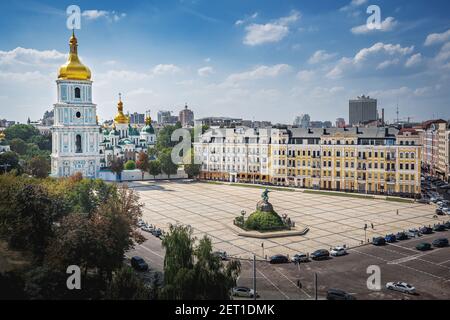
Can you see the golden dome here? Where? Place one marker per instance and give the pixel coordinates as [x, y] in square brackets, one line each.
[120, 117]
[148, 120]
[74, 69]
[2, 136]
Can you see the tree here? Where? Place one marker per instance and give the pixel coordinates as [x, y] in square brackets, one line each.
[126, 285]
[19, 146]
[38, 167]
[154, 168]
[167, 166]
[130, 165]
[117, 167]
[21, 131]
[164, 140]
[142, 163]
[192, 169]
[195, 273]
[8, 161]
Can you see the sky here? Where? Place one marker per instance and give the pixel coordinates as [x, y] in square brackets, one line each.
[252, 59]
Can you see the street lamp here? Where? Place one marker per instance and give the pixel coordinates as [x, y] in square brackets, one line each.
[243, 212]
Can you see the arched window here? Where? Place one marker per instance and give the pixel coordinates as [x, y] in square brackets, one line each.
[77, 93]
[78, 144]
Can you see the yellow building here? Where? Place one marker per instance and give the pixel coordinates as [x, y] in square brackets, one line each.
[366, 160]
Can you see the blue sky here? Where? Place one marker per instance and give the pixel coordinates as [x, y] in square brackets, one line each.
[252, 59]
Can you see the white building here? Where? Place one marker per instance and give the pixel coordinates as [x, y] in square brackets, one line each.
[75, 145]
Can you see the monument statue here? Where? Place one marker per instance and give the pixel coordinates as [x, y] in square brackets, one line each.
[265, 195]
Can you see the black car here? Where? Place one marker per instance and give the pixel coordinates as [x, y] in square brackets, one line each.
[439, 212]
[378, 241]
[423, 246]
[139, 264]
[337, 294]
[402, 236]
[279, 258]
[424, 201]
[447, 225]
[439, 227]
[439, 243]
[320, 254]
[426, 230]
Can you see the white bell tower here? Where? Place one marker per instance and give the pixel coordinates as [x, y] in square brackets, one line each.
[75, 133]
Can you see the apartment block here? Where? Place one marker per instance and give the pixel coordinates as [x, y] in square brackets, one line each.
[367, 160]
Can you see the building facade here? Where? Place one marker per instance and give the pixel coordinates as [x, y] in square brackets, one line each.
[366, 160]
[362, 109]
[75, 132]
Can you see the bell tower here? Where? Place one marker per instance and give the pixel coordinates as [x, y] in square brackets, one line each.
[75, 133]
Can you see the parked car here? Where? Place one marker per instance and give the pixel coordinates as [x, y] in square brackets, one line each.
[401, 287]
[439, 227]
[426, 230]
[221, 254]
[390, 238]
[378, 241]
[338, 251]
[146, 229]
[423, 246]
[447, 225]
[337, 294]
[321, 254]
[440, 243]
[300, 257]
[156, 232]
[243, 292]
[424, 200]
[439, 212]
[413, 233]
[139, 264]
[279, 258]
[402, 236]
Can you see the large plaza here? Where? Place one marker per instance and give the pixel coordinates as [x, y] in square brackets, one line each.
[332, 220]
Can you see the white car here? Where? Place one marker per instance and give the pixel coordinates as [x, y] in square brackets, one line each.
[338, 251]
[401, 287]
[243, 292]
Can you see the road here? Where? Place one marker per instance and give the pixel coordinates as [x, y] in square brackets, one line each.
[428, 271]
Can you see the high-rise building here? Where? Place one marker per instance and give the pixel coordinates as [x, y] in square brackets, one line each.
[137, 118]
[362, 109]
[302, 121]
[166, 117]
[186, 117]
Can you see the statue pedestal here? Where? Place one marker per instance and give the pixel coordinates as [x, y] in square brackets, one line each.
[264, 206]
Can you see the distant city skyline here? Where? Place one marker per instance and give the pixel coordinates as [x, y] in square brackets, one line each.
[268, 60]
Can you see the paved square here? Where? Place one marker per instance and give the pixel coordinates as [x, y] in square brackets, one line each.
[211, 208]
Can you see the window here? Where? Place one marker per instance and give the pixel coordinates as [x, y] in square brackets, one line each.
[77, 93]
[78, 114]
[78, 144]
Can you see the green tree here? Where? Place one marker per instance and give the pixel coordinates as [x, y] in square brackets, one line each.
[192, 169]
[130, 165]
[142, 163]
[44, 142]
[9, 161]
[167, 166]
[19, 146]
[154, 168]
[126, 285]
[164, 138]
[117, 167]
[195, 273]
[21, 131]
[38, 167]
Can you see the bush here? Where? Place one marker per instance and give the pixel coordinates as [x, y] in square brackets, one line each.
[130, 165]
[264, 221]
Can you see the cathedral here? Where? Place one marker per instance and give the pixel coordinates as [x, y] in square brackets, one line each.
[79, 143]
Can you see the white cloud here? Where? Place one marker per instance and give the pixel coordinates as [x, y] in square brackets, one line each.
[388, 63]
[26, 77]
[436, 38]
[444, 53]
[387, 25]
[243, 21]
[352, 5]
[376, 51]
[259, 73]
[413, 60]
[23, 56]
[205, 71]
[305, 75]
[320, 56]
[270, 32]
[165, 69]
[111, 16]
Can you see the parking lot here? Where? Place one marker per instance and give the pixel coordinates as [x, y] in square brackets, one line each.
[211, 208]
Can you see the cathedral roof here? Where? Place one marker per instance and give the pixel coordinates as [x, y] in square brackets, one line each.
[73, 69]
[120, 117]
